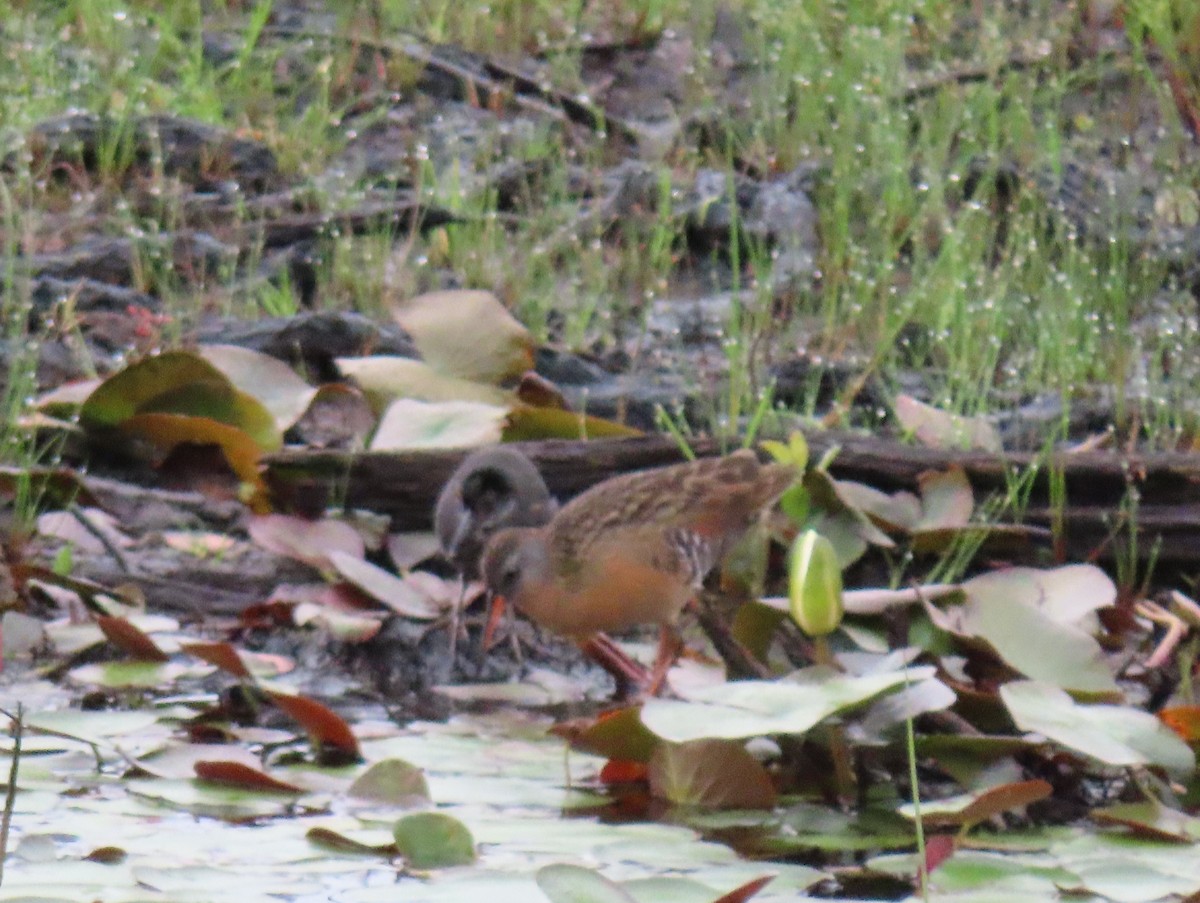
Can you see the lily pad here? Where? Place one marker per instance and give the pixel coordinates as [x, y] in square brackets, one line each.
[752, 708]
[429, 840]
[1111, 734]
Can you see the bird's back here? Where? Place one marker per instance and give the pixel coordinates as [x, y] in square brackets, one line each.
[699, 504]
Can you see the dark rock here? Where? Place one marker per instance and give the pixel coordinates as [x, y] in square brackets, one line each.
[207, 157]
[86, 296]
[192, 257]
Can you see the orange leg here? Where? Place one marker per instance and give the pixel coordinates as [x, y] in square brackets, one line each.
[670, 645]
[629, 675]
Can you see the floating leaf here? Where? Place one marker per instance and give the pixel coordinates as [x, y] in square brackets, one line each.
[614, 735]
[325, 728]
[575, 884]
[717, 774]
[138, 386]
[238, 774]
[429, 840]
[392, 781]
[1114, 735]
[898, 511]
[971, 809]
[1012, 611]
[946, 500]
[751, 708]
[138, 645]
[1152, 820]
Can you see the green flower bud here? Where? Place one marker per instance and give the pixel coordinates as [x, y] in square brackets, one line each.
[815, 584]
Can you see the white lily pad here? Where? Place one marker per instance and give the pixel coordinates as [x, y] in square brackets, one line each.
[1113, 734]
[1017, 612]
[752, 708]
[409, 424]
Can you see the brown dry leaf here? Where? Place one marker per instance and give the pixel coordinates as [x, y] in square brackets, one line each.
[398, 593]
[130, 640]
[238, 774]
[222, 655]
[309, 541]
[325, 728]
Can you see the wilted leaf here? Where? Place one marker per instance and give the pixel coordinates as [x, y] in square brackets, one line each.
[130, 639]
[1184, 720]
[325, 728]
[973, 808]
[714, 774]
[239, 774]
[429, 840]
[468, 334]
[339, 843]
[222, 655]
[409, 424]
[1114, 735]
[310, 541]
[166, 431]
[940, 429]
[394, 592]
[746, 891]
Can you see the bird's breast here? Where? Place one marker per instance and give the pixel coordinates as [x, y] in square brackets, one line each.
[608, 593]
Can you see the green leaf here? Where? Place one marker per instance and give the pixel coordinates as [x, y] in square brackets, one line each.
[430, 840]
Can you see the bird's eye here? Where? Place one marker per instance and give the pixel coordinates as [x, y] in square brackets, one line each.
[509, 578]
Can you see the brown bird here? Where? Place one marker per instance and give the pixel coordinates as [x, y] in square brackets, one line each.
[633, 549]
[492, 488]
